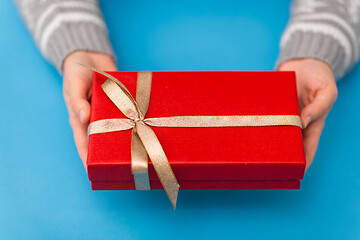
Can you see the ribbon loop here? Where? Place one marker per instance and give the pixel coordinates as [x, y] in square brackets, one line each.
[122, 101]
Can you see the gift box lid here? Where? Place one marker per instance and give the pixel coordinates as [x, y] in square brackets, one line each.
[217, 153]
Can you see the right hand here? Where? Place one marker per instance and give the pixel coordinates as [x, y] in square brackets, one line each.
[77, 92]
[317, 92]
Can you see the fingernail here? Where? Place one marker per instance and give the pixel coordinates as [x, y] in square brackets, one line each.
[81, 115]
[307, 121]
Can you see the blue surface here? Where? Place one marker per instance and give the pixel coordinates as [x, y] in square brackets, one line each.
[45, 193]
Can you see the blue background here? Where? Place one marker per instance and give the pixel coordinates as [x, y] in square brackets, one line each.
[44, 190]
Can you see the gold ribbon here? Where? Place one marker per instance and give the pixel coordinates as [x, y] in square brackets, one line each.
[144, 141]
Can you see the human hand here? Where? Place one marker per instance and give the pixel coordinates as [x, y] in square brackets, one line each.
[77, 92]
[317, 92]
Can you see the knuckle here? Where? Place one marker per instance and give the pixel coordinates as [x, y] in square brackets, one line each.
[72, 121]
[72, 103]
[336, 93]
[66, 92]
[66, 87]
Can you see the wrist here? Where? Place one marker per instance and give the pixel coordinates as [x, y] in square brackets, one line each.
[317, 44]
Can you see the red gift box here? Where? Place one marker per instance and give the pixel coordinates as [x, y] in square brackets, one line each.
[261, 157]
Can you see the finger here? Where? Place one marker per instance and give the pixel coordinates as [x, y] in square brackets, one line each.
[81, 107]
[80, 137]
[79, 103]
[311, 137]
[321, 104]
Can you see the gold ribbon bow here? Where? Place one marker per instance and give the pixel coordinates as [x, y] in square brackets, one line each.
[144, 141]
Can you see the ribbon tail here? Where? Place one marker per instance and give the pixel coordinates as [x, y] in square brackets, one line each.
[159, 160]
[139, 163]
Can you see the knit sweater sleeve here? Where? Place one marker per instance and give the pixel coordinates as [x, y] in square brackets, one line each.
[328, 30]
[60, 27]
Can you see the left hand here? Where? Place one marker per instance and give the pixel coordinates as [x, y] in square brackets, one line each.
[77, 91]
[317, 92]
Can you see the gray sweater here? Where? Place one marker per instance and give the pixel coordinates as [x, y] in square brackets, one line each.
[328, 30]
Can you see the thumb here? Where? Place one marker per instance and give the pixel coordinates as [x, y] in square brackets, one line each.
[79, 95]
[81, 107]
[320, 105]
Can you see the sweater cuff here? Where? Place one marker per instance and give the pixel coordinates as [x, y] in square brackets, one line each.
[314, 45]
[70, 37]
